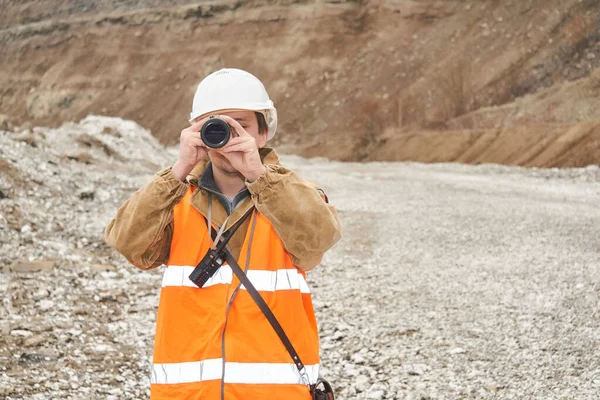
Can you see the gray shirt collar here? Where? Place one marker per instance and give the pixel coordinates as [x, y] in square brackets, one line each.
[207, 182]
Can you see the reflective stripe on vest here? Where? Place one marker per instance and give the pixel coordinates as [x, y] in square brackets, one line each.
[263, 281]
[207, 346]
[248, 373]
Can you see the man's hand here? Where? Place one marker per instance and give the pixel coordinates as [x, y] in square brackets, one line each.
[242, 151]
[191, 150]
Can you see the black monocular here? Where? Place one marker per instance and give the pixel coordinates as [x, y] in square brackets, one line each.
[215, 133]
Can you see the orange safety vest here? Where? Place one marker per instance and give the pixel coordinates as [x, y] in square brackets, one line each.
[215, 339]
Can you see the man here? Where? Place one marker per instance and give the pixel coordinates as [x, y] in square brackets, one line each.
[214, 342]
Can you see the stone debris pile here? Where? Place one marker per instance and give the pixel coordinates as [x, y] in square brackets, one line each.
[76, 321]
[59, 187]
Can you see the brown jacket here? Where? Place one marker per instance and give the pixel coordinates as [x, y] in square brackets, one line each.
[305, 223]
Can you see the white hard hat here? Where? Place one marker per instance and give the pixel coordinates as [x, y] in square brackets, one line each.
[233, 89]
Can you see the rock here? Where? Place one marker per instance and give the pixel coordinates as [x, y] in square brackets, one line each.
[32, 266]
[361, 383]
[82, 157]
[102, 195]
[80, 310]
[5, 123]
[87, 194]
[6, 391]
[357, 358]
[41, 294]
[493, 387]
[20, 332]
[4, 328]
[103, 267]
[337, 335]
[103, 348]
[456, 350]
[46, 305]
[113, 295]
[25, 126]
[351, 370]
[26, 137]
[34, 340]
[416, 369]
[49, 354]
[377, 394]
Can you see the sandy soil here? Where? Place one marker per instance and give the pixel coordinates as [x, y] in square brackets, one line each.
[512, 82]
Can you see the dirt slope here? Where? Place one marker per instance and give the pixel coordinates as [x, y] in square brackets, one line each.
[513, 82]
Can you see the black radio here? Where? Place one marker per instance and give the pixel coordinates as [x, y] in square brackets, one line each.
[207, 267]
[215, 257]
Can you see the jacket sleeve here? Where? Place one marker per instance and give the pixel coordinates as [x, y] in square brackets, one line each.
[143, 227]
[306, 224]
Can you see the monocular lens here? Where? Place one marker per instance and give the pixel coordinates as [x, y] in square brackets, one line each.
[215, 133]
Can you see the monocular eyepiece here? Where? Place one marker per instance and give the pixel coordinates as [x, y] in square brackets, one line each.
[215, 133]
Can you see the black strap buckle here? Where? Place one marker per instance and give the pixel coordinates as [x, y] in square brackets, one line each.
[321, 394]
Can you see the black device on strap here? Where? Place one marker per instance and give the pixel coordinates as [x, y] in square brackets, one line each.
[316, 393]
[213, 259]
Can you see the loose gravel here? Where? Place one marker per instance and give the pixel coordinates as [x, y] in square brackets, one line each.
[451, 281]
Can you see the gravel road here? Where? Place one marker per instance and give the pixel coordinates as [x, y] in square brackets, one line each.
[451, 281]
[457, 281]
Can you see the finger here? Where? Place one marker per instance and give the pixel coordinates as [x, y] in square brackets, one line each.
[241, 147]
[247, 143]
[238, 139]
[196, 126]
[235, 125]
[191, 136]
[196, 142]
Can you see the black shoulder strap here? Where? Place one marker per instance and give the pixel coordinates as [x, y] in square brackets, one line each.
[260, 302]
[230, 232]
